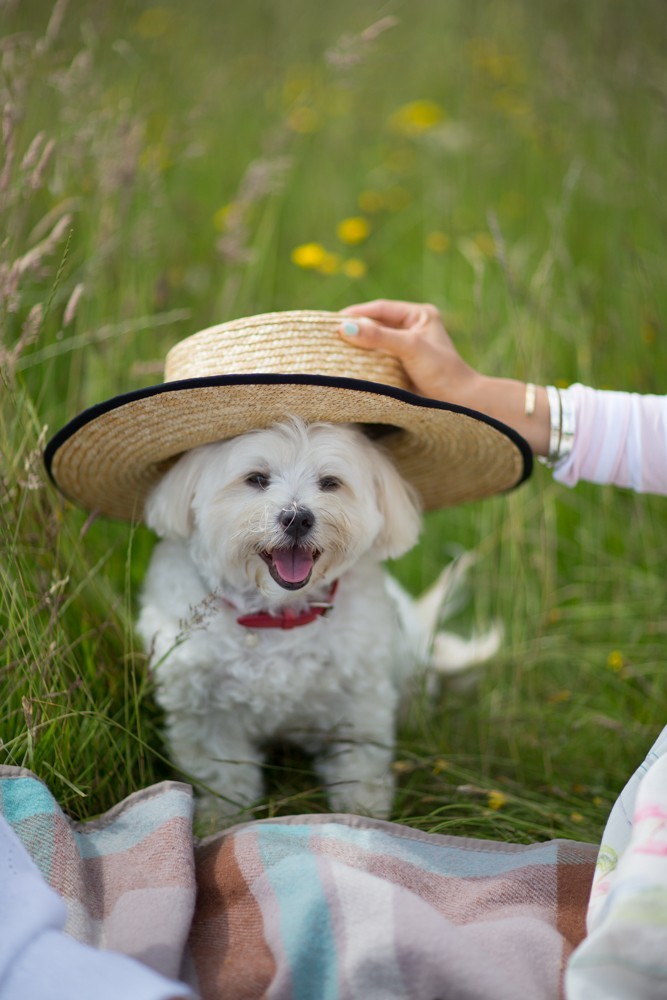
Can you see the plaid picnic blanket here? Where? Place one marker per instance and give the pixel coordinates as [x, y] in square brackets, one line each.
[308, 907]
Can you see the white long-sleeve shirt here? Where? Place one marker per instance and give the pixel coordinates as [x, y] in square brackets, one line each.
[620, 438]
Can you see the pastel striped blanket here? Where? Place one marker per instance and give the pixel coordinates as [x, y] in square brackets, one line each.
[308, 907]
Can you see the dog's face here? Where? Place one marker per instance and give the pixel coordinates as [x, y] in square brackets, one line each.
[285, 509]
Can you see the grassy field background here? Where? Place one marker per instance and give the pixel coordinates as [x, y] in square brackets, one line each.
[169, 167]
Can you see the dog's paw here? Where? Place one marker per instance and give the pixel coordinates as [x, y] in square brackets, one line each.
[367, 798]
[213, 813]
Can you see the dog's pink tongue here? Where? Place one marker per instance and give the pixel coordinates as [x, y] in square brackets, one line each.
[293, 565]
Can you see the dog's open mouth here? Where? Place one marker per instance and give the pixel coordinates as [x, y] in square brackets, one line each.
[291, 567]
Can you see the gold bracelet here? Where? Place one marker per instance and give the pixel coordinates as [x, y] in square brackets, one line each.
[529, 401]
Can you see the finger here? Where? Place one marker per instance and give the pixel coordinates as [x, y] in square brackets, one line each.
[365, 332]
[388, 312]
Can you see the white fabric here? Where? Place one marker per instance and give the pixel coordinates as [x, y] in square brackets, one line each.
[620, 438]
[38, 961]
[624, 956]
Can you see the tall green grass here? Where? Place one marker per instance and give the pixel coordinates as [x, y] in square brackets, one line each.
[161, 164]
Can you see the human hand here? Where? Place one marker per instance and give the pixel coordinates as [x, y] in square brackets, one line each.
[415, 334]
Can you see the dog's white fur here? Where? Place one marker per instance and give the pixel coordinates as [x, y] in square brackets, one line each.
[332, 686]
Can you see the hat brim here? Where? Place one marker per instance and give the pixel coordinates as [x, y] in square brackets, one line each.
[109, 457]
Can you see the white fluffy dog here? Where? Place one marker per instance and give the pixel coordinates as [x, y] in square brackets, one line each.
[267, 613]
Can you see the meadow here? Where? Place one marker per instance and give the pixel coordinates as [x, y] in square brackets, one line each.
[169, 167]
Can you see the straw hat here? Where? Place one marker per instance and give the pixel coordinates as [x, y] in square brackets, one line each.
[253, 372]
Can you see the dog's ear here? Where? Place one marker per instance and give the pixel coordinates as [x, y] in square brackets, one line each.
[399, 505]
[168, 508]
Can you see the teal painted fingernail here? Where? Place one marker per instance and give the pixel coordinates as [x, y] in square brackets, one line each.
[350, 329]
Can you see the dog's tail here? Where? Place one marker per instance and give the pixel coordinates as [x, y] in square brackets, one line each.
[444, 652]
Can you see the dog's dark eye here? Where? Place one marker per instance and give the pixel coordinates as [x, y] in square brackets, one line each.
[329, 483]
[257, 479]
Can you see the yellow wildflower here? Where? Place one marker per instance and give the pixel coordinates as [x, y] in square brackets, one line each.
[559, 696]
[221, 217]
[176, 276]
[371, 201]
[416, 117]
[298, 86]
[397, 198]
[485, 244]
[308, 255]
[511, 104]
[401, 160]
[330, 264]
[353, 230]
[576, 817]
[155, 157]
[441, 764]
[615, 660]
[649, 329]
[473, 253]
[354, 268]
[303, 120]
[500, 66]
[438, 242]
[400, 766]
[152, 23]
[496, 799]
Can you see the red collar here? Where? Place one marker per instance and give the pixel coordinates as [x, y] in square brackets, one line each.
[288, 618]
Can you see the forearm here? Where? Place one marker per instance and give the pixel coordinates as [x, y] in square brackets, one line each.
[505, 400]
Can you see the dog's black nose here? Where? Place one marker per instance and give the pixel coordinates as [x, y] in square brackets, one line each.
[297, 521]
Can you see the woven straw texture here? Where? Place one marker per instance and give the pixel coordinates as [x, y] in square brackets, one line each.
[305, 343]
[110, 461]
